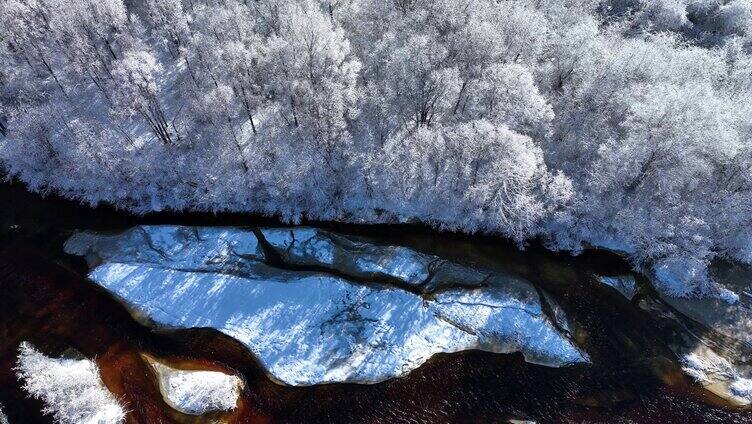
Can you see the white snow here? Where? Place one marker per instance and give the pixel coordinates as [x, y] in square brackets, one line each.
[506, 320]
[169, 245]
[728, 296]
[674, 277]
[311, 246]
[742, 387]
[71, 389]
[197, 392]
[310, 328]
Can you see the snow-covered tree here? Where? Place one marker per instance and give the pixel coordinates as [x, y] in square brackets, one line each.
[623, 123]
[138, 94]
[71, 389]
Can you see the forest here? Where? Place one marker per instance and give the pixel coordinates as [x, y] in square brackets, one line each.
[621, 124]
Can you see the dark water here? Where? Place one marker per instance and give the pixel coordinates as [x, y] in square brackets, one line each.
[45, 299]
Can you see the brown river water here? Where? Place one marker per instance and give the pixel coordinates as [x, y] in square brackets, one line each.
[45, 299]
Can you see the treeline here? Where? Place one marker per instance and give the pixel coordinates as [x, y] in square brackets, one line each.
[618, 123]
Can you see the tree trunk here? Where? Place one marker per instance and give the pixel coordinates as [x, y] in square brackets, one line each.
[294, 113]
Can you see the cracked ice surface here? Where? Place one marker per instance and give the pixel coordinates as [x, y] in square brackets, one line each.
[315, 327]
[310, 246]
[210, 248]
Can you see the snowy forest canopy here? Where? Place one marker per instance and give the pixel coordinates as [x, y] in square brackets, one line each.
[623, 123]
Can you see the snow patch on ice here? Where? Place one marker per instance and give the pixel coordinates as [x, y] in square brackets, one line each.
[311, 246]
[496, 315]
[197, 392]
[310, 328]
[301, 243]
[213, 248]
[168, 243]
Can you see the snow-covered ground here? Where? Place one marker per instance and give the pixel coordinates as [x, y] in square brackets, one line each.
[317, 327]
[71, 389]
[194, 391]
